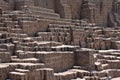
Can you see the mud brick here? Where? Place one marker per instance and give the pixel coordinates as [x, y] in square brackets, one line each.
[45, 35]
[16, 39]
[49, 74]
[22, 70]
[18, 35]
[113, 64]
[68, 75]
[105, 66]
[82, 44]
[98, 65]
[54, 38]
[39, 55]
[13, 57]
[82, 73]
[103, 46]
[12, 66]
[104, 78]
[102, 74]
[30, 44]
[63, 58]
[2, 40]
[10, 24]
[64, 48]
[39, 75]
[57, 76]
[108, 43]
[116, 44]
[26, 48]
[26, 24]
[3, 50]
[85, 54]
[17, 30]
[23, 55]
[95, 73]
[25, 60]
[111, 72]
[67, 58]
[17, 76]
[28, 73]
[28, 39]
[4, 68]
[37, 38]
[31, 66]
[88, 78]
[5, 57]
[8, 47]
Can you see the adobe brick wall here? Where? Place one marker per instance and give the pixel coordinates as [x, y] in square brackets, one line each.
[65, 60]
[85, 58]
[75, 6]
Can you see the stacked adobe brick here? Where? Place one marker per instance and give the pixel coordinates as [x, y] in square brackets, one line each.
[36, 44]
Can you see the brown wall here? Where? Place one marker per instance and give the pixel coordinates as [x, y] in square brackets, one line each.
[59, 61]
[45, 3]
[85, 58]
[32, 27]
[75, 8]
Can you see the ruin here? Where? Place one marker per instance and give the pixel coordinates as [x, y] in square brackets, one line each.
[59, 40]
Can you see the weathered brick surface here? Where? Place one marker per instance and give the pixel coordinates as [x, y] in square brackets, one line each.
[47, 40]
